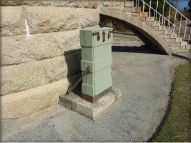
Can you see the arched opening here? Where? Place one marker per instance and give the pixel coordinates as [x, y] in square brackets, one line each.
[132, 33]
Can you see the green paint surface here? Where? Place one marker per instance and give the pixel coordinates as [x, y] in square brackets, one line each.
[96, 53]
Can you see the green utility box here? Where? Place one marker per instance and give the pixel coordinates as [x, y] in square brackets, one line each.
[96, 54]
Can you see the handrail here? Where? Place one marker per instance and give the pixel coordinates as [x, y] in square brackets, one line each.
[177, 11]
[158, 13]
[180, 26]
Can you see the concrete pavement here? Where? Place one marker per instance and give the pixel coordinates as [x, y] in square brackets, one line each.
[183, 54]
[145, 81]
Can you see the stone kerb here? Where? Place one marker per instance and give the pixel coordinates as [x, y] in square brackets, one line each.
[135, 22]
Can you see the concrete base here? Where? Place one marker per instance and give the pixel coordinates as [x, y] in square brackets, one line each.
[92, 110]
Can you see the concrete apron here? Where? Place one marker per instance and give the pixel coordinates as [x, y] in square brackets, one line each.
[92, 110]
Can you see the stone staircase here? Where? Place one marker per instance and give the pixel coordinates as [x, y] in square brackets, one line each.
[175, 43]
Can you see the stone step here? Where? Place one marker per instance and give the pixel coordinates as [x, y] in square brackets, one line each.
[178, 49]
[155, 23]
[181, 48]
[136, 10]
[136, 14]
[178, 39]
[127, 9]
[183, 43]
[168, 32]
[170, 40]
[165, 36]
[149, 23]
[150, 19]
[188, 47]
[173, 36]
[174, 44]
[129, 3]
[156, 28]
[143, 14]
[174, 49]
[162, 27]
[142, 18]
[162, 33]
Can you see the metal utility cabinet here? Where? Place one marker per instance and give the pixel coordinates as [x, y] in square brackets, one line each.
[97, 56]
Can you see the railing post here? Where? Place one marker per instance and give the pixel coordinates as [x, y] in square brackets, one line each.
[163, 12]
[150, 9]
[166, 20]
[163, 7]
[169, 17]
[159, 19]
[185, 29]
[189, 36]
[143, 6]
[174, 21]
[156, 9]
[180, 26]
[138, 3]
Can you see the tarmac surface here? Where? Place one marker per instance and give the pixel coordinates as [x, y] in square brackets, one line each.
[144, 77]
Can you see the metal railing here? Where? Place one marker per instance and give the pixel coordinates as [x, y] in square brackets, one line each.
[171, 17]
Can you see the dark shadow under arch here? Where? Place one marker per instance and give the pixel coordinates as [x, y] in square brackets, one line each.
[132, 49]
[150, 42]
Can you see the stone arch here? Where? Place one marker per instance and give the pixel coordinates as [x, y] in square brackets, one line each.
[146, 33]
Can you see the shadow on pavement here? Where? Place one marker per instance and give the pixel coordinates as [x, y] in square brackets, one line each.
[134, 49]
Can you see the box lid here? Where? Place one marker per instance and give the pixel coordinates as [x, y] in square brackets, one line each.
[91, 37]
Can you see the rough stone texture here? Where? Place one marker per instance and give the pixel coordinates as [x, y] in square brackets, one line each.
[19, 49]
[29, 75]
[35, 69]
[58, 3]
[88, 17]
[90, 4]
[92, 110]
[45, 19]
[23, 103]
[64, 3]
[12, 21]
[112, 4]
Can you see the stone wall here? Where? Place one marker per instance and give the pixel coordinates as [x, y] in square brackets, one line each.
[36, 70]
